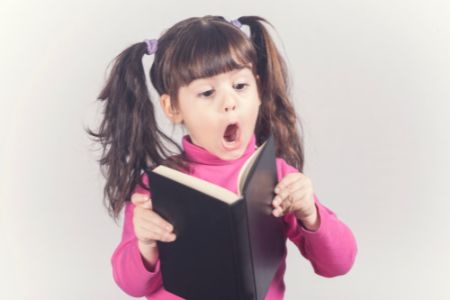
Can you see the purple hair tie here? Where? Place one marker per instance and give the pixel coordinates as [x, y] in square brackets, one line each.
[236, 23]
[152, 46]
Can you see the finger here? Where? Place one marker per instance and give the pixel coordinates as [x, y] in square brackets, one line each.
[287, 205]
[148, 204]
[153, 219]
[290, 202]
[288, 191]
[277, 212]
[156, 227]
[287, 180]
[142, 200]
[138, 198]
[155, 233]
[161, 234]
[279, 206]
[276, 201]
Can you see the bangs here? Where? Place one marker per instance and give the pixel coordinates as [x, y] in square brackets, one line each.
[210, 50]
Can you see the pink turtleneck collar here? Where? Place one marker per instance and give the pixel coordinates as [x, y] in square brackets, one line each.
[197, 154]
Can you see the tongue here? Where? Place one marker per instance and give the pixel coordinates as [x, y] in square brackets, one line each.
[230, 133]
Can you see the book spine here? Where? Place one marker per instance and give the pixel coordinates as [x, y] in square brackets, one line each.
[245, 279]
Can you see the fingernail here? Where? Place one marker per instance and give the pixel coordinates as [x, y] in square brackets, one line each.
[277, 190]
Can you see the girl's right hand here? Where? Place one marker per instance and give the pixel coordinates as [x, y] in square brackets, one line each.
[149, 227]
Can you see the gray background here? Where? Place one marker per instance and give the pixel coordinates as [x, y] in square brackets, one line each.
[371, 84]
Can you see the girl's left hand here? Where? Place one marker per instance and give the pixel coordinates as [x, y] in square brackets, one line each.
[295, 194]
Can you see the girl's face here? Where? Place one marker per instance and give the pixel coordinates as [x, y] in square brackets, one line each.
[219, 112]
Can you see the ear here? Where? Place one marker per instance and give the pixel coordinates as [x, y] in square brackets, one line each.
[166, 105]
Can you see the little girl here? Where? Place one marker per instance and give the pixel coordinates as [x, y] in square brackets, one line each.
[229, 91]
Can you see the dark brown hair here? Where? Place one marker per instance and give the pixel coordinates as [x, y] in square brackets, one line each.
[194, 48]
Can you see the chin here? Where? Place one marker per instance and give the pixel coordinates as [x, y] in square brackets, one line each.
[232, 155]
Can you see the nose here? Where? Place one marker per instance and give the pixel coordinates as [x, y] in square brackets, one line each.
[230, 107]
[230, 103]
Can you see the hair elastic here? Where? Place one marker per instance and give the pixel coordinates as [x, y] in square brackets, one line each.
[152, 46]
[236, 23]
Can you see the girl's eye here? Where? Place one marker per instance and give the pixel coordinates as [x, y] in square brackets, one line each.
[240, 86]
[207, 93]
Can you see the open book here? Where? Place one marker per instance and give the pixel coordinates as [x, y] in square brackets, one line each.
[228, 246]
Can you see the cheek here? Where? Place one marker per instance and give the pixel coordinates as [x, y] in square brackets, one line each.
[199, 114]
[200, 120]
[252, 108]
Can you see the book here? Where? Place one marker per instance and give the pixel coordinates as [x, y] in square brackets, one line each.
[228, 246]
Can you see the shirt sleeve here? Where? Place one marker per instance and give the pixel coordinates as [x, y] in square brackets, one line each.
[129, 271]
[331, 248]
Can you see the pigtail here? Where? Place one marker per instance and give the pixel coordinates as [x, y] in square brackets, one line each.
[128, 133]
[277, 113]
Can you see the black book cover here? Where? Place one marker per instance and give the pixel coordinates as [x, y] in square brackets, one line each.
[223, 250]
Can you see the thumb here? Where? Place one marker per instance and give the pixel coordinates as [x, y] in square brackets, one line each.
[147, 204]
[141, 200]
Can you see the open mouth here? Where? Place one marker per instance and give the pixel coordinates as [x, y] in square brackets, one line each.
[231, 132]
[232, 136]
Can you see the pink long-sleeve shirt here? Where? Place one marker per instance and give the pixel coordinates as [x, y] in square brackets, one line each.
[331, 249]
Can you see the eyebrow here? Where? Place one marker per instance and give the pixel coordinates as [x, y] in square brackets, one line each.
[233, 72]
[246, 66]
[242, 69]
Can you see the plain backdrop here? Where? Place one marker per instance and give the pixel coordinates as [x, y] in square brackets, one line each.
[370, 84]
